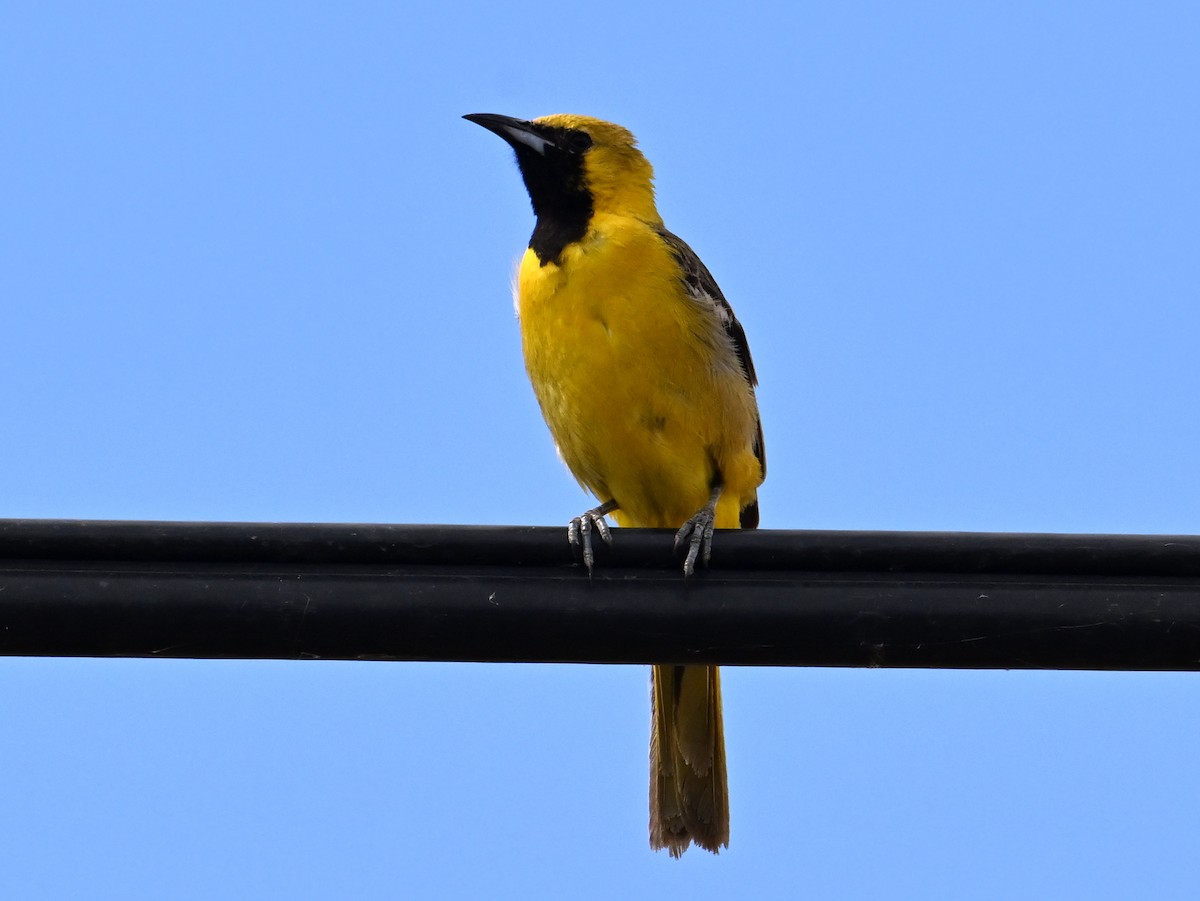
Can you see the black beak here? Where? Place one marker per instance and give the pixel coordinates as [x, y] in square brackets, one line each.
[514, 131]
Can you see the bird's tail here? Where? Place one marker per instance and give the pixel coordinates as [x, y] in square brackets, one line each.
[689, 795]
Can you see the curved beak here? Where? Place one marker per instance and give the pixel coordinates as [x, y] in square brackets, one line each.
[514, 131]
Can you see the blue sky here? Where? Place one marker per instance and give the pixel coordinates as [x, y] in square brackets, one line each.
[256, 267]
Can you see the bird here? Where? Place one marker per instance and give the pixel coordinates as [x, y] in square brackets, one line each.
[644, 377]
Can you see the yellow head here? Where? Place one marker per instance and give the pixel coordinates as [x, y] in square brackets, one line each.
[576, 167]
[619, 177]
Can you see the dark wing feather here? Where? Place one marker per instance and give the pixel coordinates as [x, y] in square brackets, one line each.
[703, 287]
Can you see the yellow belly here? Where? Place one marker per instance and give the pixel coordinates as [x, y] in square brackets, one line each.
[639, 386]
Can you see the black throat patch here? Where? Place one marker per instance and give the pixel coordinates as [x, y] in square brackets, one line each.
[560, 197]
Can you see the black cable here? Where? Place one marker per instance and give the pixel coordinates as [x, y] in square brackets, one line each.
[403, 592]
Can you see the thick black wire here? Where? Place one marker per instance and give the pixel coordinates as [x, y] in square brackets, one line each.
[503, 593]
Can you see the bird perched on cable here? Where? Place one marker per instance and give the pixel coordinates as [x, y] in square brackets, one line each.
[644, 377]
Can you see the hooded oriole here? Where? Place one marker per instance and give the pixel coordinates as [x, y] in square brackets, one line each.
[645, 380]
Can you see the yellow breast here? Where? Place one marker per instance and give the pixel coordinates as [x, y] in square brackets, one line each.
[638, 383]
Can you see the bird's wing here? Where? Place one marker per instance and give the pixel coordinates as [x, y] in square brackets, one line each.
[703, 289]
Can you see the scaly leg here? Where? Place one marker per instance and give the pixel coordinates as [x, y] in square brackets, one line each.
[579, 530]
[697, 533]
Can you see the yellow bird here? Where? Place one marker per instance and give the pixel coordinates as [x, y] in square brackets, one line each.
[644, 377]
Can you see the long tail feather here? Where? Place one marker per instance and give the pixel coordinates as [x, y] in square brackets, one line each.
[689, 796]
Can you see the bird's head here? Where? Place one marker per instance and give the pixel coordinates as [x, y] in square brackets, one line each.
[577, 165]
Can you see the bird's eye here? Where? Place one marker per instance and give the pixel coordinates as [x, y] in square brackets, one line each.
[579, 141]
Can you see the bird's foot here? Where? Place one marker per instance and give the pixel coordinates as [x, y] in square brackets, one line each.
[697, 535]
[579, 531]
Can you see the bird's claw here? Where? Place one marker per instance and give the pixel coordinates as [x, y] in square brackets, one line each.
[579, 533]
[697, 534]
